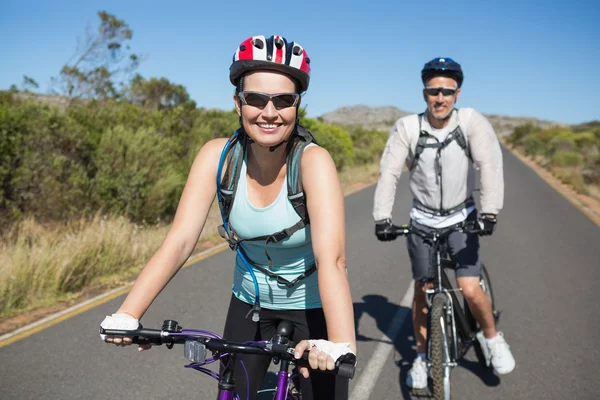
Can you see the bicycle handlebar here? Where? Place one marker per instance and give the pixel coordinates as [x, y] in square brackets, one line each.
[344, 366]
[405, 230]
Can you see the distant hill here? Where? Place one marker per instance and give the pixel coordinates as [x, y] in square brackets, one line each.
[383, 118]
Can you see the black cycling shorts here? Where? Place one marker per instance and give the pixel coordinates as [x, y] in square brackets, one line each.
[463, 249]
[308, 324]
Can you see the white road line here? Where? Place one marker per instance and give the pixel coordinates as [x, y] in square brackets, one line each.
[371, 372]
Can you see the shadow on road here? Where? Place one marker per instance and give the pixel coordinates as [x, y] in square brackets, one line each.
[383, 312]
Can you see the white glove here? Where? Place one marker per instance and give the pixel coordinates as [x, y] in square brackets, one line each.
[334, 350]
[119, 321]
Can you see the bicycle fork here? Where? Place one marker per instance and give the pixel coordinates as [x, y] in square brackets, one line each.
[283, 381]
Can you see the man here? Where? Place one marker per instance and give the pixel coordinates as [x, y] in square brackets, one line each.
[439, 148]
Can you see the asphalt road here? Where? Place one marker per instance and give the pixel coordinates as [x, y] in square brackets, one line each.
[544, 262]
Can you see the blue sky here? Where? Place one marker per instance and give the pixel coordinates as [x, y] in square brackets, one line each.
[521, 58]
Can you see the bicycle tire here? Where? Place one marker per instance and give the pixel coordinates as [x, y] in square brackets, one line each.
[473, 325]
[438, 323]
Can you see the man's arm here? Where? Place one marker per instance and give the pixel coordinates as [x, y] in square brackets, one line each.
[391, 166]
[487, 156]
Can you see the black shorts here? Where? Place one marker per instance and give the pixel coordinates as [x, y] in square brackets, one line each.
[463, 249]
[308, 324]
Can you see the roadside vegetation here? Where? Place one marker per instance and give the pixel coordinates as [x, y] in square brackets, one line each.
[571, 155]
[91, 173]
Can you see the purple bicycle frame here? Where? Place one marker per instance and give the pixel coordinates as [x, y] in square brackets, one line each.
[226, 394]
[282, 386]
[281, 392]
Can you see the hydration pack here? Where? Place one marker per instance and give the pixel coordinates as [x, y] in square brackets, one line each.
[232, 158]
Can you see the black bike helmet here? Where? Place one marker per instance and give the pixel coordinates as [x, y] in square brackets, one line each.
[442, 66]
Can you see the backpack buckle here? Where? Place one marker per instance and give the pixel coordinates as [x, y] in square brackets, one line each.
[233, 244]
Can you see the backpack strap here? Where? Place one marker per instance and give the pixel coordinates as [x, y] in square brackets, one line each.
[294, 177]
[423, 143]
[295, 189]
[443, 212]
[233, 157]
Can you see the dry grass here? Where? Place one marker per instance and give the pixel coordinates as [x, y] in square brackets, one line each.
[356, 178]
[42, 265]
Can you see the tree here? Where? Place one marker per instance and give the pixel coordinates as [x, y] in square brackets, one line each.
[101, 63]
[156, 93]
[29, 83]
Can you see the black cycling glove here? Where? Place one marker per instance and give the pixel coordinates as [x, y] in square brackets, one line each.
[383, 230]
[487, 223]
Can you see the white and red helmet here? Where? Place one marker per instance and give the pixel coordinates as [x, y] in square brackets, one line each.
[274, 53]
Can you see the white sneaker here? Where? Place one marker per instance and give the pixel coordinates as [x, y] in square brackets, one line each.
[497, 354]
[417, 376]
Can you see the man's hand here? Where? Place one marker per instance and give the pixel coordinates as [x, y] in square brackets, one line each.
[383, 230]
[487, 223]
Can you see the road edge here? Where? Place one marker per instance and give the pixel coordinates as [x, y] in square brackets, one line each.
[555, 184]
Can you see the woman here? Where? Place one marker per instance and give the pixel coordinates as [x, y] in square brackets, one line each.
[269, 75]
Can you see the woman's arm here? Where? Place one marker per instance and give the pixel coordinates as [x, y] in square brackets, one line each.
[325, 203]
[195, 202]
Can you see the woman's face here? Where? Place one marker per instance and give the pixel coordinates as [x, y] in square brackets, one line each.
[271, 123]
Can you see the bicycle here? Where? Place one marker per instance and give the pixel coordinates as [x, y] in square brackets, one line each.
[451, 330]
[196, 343]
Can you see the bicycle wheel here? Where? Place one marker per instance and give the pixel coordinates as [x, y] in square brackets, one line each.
[293, 393]
[439, 348]
[486, 285]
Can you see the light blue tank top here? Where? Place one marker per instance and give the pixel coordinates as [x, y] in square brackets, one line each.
[291, 257]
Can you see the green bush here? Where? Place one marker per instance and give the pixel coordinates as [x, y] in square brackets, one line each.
[533, 146]
[368, 142]
[586, 140]
[338, 142]
[333, 138]
[135, 173]
[591, 171]
[520, 133]
[572, 178]
[562, 143]
[43, 170]
[567, 159]
[62, 163]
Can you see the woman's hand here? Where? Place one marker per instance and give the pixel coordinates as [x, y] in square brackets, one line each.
[121, 321]
[322, 354]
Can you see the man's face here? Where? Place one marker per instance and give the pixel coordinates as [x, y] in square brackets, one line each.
[440, 94]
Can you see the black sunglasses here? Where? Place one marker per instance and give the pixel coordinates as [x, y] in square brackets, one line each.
[434, 91]
[260, 100]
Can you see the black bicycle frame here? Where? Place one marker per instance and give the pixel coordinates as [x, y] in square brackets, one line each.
[443, 285]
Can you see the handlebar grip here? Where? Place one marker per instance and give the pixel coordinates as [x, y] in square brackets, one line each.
[346, 371]
[141, 340]
[400, 230]
[344, 366]
[139, 336]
